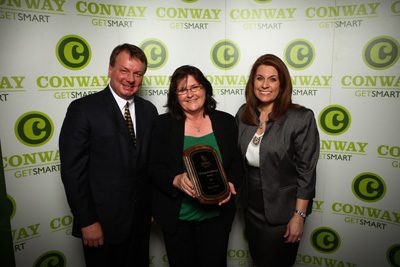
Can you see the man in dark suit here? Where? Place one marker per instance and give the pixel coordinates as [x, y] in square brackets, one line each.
[103, 165]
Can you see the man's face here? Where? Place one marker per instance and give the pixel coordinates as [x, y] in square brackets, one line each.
[126, 75]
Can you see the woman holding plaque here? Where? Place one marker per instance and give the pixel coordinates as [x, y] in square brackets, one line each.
[195, 234]
[279, 142]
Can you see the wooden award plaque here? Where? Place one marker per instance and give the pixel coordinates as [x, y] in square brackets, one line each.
[207, 174]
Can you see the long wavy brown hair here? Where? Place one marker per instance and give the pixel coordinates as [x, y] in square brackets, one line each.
[284, 99]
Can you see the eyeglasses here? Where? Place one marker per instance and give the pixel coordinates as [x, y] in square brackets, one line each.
[193, 89]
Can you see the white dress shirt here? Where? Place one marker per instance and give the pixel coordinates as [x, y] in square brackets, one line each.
[121, 104]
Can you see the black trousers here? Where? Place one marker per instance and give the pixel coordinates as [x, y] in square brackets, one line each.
[198, 244]
[134, 252]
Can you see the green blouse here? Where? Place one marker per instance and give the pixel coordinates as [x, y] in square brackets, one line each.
[191, 209]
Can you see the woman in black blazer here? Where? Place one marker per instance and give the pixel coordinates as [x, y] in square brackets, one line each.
[279, 142]
[194, 234]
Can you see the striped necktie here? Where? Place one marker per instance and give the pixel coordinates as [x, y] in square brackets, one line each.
[129, 124]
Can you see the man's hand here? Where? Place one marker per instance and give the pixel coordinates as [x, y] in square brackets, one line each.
[92, 235]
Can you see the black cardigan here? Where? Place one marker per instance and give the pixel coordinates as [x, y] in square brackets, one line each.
[166, 162]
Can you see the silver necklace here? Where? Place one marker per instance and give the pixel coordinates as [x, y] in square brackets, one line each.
[197, 128]
[257, 139]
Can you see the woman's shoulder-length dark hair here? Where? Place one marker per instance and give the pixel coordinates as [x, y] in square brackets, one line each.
[173, 106]
[284, 99]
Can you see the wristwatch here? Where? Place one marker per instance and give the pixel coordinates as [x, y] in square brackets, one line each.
[301, 213]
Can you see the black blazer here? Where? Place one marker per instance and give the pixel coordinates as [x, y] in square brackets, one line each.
[104, 174]
[166, 162]
[289, 151]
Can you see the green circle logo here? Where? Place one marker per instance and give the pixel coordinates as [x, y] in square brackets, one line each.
[156, 53]
[325, 240]
[393, 255]
[51, 258]
[334, 120]
[299, 54]
[369, 187]
[73, 52]
[34, 128]
[381, 52]
[225, 54]
[11, 206]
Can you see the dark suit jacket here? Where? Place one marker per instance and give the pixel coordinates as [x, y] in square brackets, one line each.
[166, 162]
[289, 152]
[104, 174]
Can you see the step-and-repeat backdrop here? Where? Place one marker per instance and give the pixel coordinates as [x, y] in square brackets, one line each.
[344, 60]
